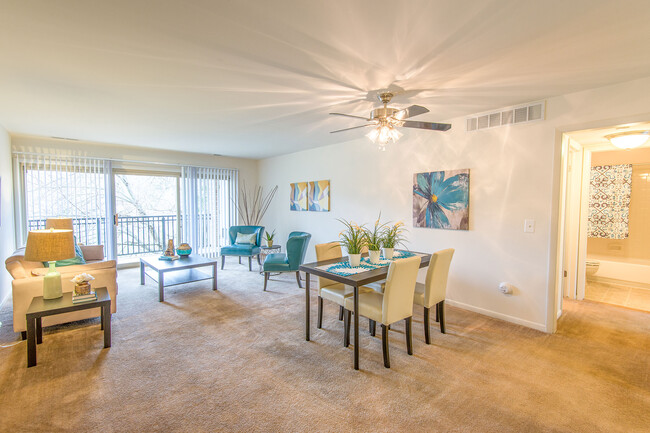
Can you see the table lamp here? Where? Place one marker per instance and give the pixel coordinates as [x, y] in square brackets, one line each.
[49, 246]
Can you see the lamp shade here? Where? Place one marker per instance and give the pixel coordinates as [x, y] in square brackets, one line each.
[59, 223]
[49, 245]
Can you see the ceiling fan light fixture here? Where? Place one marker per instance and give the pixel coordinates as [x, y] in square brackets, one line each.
[629, 139]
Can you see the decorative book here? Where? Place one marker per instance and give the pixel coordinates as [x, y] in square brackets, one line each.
[169, 258]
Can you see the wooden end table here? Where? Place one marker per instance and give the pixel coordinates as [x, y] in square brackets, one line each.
[40, 308]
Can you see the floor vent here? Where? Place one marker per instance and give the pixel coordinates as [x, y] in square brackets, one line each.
[531, 112]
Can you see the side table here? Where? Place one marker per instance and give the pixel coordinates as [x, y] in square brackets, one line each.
[266, 251]
[40, 308]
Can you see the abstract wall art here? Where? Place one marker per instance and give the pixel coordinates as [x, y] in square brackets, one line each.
[319, 196]
[298, 197]
[609, 202]
[441, 199]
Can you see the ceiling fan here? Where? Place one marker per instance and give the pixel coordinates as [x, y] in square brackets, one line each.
[386, 120]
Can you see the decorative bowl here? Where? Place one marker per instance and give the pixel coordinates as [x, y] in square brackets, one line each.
[184, 250]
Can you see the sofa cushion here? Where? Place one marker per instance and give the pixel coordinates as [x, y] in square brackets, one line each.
[78, 258]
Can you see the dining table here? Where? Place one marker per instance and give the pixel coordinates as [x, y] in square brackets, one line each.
[365, 274]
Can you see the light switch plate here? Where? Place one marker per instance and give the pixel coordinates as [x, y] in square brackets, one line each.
[529, 226]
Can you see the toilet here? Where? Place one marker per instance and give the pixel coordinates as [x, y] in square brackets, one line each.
[592, 267]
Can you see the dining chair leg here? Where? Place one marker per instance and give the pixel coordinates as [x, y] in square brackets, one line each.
[340, 312]
[437, 314]
[266, 279]
[259, 260]
[250, 263]
[409, 336]
[373, 328]
[384, 345]
[240, 260]
[320, 313]
[346, 327]
[223, 261]
[441, 307]
[298, 279]
[427, 337]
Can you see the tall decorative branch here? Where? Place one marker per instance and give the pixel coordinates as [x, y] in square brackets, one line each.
[253, 205]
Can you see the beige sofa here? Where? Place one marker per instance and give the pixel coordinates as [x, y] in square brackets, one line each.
[28, 283]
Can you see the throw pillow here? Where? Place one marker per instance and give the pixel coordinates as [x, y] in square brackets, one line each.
[246, 238]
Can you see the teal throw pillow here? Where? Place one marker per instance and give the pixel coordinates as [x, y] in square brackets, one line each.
[246, 238]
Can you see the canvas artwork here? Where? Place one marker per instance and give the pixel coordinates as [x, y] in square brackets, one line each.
[610, 190]
[441, 199]
[298, 197]
[319, 196]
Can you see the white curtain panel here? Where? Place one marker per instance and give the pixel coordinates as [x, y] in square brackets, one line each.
[61, 186]
[207, 207]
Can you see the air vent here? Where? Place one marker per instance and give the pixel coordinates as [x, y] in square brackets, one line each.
[526, 113]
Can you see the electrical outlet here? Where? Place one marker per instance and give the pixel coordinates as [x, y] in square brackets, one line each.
[529, 226]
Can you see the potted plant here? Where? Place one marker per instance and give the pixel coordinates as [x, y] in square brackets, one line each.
[374, 239]
[269, 238]
[353, 239]
[392, 237]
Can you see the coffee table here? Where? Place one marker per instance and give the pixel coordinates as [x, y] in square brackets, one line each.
[171, 273]
[40, 308]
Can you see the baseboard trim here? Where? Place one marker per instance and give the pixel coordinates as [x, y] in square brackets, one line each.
[618, 282]
[516, 320]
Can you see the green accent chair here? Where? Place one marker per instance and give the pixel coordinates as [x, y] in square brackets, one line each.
[243, 250]
[291, 261]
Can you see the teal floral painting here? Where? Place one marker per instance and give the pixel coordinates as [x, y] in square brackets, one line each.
[441, 199]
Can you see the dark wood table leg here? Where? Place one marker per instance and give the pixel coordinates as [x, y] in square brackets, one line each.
[31, 342]
[106, 319]
[39, 330]
[161, 286]
[307, 307]
[141, 273]
[101, 322]
[356, 327]
[214, 276]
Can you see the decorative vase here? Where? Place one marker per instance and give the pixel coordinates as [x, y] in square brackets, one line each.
[269, 243]
[82, 289]
[388, 253]
[355, 260]
[374, 256]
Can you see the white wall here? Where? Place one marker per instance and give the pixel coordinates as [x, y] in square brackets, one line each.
[6, 212]
[515, 173]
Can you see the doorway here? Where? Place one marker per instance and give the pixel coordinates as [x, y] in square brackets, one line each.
[605, 239]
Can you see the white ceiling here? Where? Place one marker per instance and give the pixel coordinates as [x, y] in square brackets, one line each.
[258, 78]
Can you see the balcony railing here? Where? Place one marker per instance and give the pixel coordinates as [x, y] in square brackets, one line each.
[135, 235]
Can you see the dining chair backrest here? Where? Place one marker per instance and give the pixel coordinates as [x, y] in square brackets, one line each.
[258, 230]
[328, 251]
[436, 283]
[400, 288]
[297, 248]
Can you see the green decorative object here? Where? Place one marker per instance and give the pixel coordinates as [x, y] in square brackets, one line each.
[184, 249]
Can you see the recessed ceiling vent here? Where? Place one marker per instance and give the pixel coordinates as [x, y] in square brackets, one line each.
[531, 112]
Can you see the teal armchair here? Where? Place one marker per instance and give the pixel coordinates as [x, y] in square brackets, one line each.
[243, 250]
[291, 261]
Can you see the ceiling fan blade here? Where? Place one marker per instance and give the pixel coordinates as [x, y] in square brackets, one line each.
[354, 127]
[349, 115]
[413, 110]
[427, 125]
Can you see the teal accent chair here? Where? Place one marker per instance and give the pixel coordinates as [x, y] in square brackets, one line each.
[291, 261]
[243, 250]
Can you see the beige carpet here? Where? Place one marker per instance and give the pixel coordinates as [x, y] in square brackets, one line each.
[236, 360]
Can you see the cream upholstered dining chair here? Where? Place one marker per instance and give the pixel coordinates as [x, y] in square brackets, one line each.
[394, 305]
[434, 290]
[328, 289]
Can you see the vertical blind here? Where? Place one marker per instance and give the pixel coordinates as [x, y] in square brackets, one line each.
[61, 186]
[83, 189]
[208, 207]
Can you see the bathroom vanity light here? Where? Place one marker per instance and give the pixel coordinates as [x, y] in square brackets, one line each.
[628, 139]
